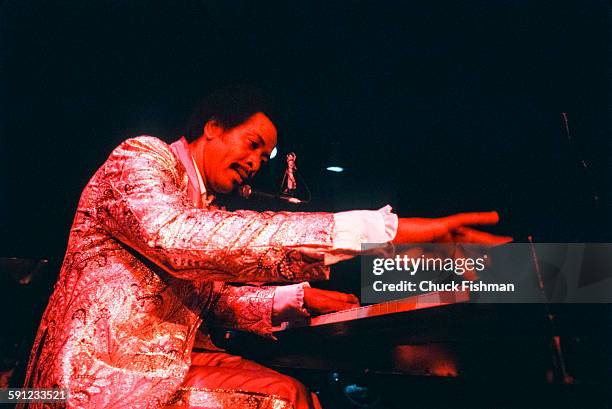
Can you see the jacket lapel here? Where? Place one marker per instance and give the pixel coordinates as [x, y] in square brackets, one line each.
[181, 150]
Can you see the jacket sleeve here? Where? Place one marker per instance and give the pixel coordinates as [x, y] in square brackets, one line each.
[245, 308]
[140, 202]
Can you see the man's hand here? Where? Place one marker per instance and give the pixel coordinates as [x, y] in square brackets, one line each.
[449, 229]
[319, 302]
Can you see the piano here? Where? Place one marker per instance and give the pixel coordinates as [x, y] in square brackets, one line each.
[440, 345]
[391, 309]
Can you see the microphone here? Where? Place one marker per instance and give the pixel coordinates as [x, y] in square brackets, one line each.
[290, 174]
[246, 192]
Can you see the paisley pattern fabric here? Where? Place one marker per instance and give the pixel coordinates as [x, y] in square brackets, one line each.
[199, 398]
[142, 269]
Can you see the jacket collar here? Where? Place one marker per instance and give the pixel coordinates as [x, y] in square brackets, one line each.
[197, 188]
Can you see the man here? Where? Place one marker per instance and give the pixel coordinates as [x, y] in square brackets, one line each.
[150, 257]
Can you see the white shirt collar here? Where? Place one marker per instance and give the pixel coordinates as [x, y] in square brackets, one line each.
[200, 180]
[206, 198]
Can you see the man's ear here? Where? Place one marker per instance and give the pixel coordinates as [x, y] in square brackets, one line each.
[212, 129]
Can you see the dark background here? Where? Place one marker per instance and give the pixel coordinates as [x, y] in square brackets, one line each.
[432, 106]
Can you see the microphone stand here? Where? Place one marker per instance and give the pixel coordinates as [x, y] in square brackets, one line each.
[560, 369]
[246, 192]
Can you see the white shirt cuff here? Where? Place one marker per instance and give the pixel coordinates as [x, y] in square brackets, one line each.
[288, 304]
[353, 228]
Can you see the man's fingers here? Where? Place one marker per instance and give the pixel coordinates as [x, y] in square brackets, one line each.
[351, 299]
[469, 235]
[325, 301]
[326, 305]
[343, 297]
[474, 218]
[347, 299]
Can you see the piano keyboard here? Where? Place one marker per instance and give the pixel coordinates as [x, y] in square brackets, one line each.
[417, 302]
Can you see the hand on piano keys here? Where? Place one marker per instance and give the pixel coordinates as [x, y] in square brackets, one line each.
[390, 309]
[319, 302]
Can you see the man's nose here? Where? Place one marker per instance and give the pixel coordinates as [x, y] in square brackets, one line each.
[254, 163]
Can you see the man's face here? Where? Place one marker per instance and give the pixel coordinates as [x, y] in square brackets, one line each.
[233, 156]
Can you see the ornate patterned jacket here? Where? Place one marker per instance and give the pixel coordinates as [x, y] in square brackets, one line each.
[144, 268]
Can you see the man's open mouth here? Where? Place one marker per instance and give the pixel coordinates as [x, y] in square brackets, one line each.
[242, 173]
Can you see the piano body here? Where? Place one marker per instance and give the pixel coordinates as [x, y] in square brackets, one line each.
[441, 351]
